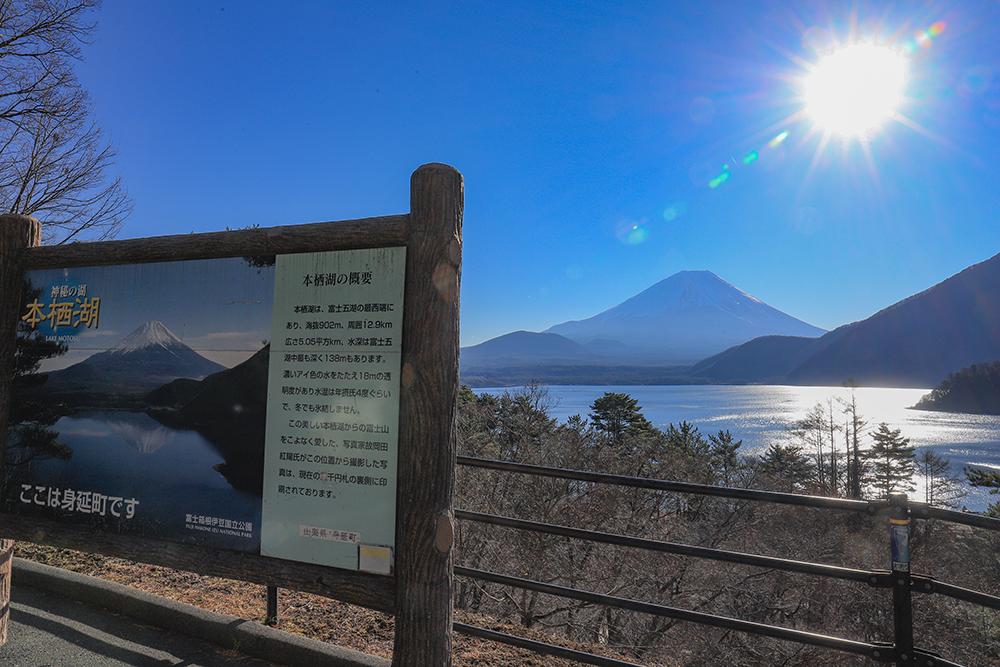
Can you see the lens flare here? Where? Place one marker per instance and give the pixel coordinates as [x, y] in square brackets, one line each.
[632, 232]
[776, 141]
[674, 211]
[924, 38]
[749, 158]
[636, 235]
[721, 178]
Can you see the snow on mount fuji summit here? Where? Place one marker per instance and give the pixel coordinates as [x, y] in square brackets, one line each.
[146, 359]
[153, 334]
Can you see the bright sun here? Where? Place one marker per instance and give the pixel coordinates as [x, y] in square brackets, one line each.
[853, 90]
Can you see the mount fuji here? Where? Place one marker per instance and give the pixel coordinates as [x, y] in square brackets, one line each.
[653, 337]
[147, 358]
[681, 319]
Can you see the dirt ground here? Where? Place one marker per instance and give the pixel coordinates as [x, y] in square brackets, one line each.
[299, 613]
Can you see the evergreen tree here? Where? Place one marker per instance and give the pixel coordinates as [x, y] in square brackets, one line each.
[722, 448]
[787, 467]
[989, 479]
[617, 414]
[688, 452]
[685, 438]
[889, 463]
[29, 437]
[975, 389]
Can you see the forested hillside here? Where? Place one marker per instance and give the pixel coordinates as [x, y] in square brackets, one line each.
[975, 389]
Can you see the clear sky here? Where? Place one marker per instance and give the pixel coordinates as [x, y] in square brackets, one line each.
[588, 133]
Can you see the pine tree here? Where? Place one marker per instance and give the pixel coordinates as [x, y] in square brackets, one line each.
[787, 467]
[889, 463]
[723, 455]
[618, 414]
[988, 479]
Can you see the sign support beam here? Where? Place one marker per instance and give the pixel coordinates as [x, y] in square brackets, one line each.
[429, 392]
[17, 232]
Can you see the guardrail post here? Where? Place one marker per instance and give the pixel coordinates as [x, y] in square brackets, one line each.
[17, 232]
[899, 547]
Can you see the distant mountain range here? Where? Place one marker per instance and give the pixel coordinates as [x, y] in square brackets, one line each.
[916, 342]
[652, 337]
[147, 358]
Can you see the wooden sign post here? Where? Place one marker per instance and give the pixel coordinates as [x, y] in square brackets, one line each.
[17, 232]
[416, 584]
[425, 524]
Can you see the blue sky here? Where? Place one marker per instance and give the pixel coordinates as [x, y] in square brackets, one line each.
[572, 123]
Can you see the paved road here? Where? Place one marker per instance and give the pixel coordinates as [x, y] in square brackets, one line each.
[52, 631]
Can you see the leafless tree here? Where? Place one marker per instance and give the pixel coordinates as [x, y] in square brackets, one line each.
[941, 487]
[54, 160]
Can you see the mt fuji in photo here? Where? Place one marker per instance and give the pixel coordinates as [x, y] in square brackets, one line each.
[147, 358]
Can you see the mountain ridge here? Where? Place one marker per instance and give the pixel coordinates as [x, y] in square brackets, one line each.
[915, 342]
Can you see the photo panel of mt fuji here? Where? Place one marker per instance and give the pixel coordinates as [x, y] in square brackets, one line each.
[139, 399]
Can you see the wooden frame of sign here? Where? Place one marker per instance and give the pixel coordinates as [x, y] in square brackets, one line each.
[419, 593]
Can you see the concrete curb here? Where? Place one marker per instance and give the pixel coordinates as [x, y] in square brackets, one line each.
[229, 632]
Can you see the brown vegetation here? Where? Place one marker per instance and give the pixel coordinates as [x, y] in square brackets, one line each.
[517, 428]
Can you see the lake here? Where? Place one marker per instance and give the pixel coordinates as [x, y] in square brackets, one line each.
[763, 414]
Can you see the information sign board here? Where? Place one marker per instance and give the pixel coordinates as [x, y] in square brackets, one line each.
[333, 408]
[244, 403]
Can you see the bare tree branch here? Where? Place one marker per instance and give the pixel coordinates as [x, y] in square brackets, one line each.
[54, 161]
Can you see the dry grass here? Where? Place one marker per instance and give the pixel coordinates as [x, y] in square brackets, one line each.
[299, 613]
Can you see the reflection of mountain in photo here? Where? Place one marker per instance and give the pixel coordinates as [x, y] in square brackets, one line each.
[147, 358]
[171, 471]
[139, 431]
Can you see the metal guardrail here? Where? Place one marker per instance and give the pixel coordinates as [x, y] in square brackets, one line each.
[899, 509]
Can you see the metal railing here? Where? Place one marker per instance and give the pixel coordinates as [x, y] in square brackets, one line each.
[899, 579]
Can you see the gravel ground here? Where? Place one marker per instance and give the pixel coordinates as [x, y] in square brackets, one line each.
[300, 613]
